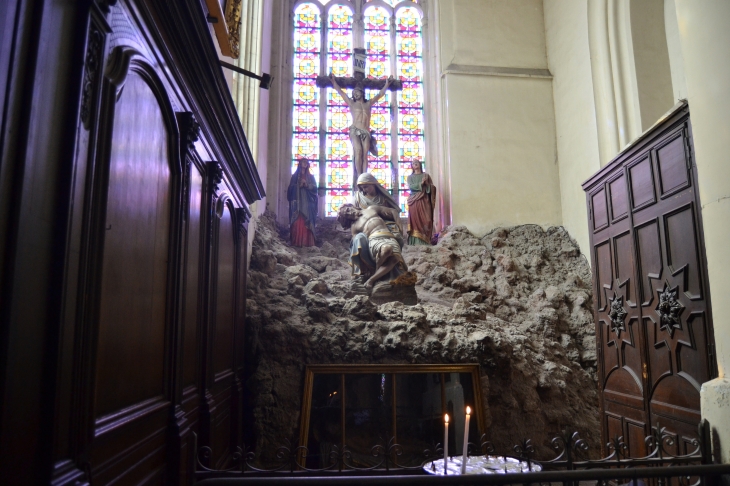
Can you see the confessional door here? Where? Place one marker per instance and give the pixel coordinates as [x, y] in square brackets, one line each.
[652, 308]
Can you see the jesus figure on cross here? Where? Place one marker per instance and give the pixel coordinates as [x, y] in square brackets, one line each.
[360, 108]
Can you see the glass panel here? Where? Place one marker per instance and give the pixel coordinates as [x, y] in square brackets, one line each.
[419, 415]
[305, 116]
[460, 394]
[368, 415]
[380, 124]
[336, 198]
[325, 426]
[377, 41]
[409, 69]
[420, 400]
[338, 168]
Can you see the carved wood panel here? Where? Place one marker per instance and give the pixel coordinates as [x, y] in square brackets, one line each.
[136, 243]
[109, 333]
[131, 392]
[652, 311]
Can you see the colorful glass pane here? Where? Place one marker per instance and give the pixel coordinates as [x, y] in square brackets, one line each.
[339, 41]
[306, 15]
[390, 2]
[377, 41]
[334, 199]
[409, 69]
[392, 164]
[404, 203]
[305, 115]
[338, 152]
[382, 172]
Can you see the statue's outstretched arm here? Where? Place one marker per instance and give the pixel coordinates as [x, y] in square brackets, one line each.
[381, 93]
[339, 90]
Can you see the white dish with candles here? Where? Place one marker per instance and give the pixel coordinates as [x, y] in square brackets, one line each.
[449, 466]
[479, 465]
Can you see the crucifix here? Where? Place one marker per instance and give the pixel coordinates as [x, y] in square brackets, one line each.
[361, 137]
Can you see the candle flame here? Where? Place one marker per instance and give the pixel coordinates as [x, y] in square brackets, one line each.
[446, 418]
[468, 410]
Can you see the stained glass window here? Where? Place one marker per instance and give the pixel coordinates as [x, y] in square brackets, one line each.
[409, 66]
[307, 52]
[338, 154]
[397, 120]
[393, 2]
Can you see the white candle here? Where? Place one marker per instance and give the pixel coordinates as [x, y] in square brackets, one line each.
[466, 440]
[446, 442]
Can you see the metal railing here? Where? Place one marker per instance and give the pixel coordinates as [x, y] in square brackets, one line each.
[662, 466]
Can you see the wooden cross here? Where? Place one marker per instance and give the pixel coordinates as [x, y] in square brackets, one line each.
[359, 80]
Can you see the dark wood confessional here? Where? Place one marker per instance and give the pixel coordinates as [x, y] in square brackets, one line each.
[126, 184]
[651, 300]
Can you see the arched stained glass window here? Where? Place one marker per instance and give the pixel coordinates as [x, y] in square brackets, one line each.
[409, 48]
[393, 3]
[324, 38]
[378, 45]
[307, 53]
[338, 168]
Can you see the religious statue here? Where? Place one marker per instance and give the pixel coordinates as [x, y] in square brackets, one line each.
[421, 204]
[371, 193]
[360, 136]
[374, 250]
[302, 197]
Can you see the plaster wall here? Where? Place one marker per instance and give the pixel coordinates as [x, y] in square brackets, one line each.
[262, 119]
[501, 143]
[651, 58]
[507, 33]
[704, 38]
[497, 100]
[674, 48]
[279, 120]
[569, 60]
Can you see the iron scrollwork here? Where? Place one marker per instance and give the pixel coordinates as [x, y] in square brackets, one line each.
[568, 447]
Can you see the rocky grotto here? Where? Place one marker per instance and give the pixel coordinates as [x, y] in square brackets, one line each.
[517, 301]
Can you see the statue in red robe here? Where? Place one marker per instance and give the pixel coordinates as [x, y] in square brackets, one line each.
[303, 200]
[421, 205]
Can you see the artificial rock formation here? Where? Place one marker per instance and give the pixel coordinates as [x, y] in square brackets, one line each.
[517, 301]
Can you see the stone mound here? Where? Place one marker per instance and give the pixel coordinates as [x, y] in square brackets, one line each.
[517, 301]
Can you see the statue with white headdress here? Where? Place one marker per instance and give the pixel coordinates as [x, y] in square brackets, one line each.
[370, 193]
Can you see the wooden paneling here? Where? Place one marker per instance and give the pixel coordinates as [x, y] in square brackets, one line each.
[123, 302]
[225, 298]
[619, 198]
[131, 345]
[642, 183]
[672, 165]
[600, 211]
[191, 352]
[652, 310]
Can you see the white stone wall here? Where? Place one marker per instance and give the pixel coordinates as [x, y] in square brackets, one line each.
[499, 123]
[704, 37]
[575, 115]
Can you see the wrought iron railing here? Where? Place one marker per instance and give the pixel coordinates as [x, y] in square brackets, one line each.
[662, 466]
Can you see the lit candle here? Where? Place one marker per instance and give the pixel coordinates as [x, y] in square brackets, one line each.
[446, 442]
[466, 440]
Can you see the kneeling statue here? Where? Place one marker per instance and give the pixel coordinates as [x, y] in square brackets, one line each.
[375, 255]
